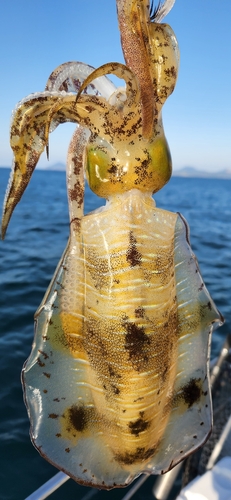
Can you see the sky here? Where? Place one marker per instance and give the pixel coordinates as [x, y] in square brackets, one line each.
[37, 36]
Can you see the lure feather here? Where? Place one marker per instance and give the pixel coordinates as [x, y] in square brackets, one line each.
[154, 10]
[161, 10]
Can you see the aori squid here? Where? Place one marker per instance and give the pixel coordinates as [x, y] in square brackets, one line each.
[117, 381]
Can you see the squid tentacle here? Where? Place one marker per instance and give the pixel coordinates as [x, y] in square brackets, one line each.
[156, 69]
[136, 57]
[121, 71]
[28, 142]
[29, 136]
[75, 176]
[69, 77]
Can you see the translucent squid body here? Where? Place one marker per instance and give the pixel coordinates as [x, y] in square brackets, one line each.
[117, 381]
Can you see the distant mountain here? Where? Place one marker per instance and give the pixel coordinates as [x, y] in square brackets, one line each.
[56, 166]
[183, 172]
[193, 172]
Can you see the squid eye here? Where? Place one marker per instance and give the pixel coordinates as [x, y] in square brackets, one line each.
[97, 161]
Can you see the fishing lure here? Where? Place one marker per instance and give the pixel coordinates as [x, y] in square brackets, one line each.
[117, 381]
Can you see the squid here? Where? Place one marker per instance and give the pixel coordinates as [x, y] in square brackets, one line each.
[117, 382]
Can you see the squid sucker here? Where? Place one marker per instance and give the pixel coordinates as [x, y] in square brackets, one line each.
[117, 383]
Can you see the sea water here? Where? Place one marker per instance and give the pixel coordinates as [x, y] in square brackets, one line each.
[35, 240]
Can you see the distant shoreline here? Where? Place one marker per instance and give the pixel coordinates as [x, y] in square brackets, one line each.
[186, 172]
[190, 172]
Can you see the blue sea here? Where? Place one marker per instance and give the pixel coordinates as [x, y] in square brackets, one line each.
[35, 240]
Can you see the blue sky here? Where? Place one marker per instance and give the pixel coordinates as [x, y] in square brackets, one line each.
[37, 36]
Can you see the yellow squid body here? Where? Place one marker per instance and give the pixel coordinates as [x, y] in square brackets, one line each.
[117, 381]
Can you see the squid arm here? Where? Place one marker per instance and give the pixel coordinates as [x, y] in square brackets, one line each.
[40, 113]
[142, 42]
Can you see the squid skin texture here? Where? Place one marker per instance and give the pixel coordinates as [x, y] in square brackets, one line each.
[121, 376]
[117, 381]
